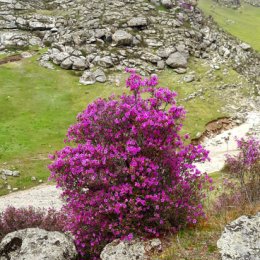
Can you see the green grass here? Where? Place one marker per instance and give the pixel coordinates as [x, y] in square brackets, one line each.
[242, 23]
[36, 108]
[38, 105]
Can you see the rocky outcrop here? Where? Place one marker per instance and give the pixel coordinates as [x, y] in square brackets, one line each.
[130, 250]
[37, 244]
[241, 239]
[113, 34]
[229, 3]
[253, 2]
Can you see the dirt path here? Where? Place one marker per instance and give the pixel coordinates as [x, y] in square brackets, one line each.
[46, 196]
[43, 196]
[225, 143]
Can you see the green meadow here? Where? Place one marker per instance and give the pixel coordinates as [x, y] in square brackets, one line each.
[38, 105]
[244, 22]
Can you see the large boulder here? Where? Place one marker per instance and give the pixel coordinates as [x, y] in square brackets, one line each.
[130, 250]
[177, 60]
[123, 38]
[37, 244]
[241, 239]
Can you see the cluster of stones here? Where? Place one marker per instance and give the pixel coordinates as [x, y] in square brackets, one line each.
[237, 3]
[97, 37]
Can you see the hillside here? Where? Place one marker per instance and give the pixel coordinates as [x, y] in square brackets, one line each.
[190, 53]
[242, 22]
[174, 159]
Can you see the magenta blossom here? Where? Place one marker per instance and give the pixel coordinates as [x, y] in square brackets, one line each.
[128, 171]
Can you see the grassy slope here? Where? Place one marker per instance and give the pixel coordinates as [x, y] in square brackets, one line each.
[242, 23]
[38, 105]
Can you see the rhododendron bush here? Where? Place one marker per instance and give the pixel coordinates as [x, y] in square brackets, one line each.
[245, 166]
[127, 171]
[13, 219]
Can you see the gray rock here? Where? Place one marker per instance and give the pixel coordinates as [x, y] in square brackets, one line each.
[150, 57]
[137, 22]
[130, 250]
[79, 63]
[10, 173]
[241, 239]
[167, 3]
[245, 46]
[60, 57]
[180, 70]
[161, 65]
[122, 37]
[44, 62]
[177, 60]
[106, 62]
[165, 52]
[88, 78]
[37, 244]
[100, 76]
[67, 64]
[189, 78]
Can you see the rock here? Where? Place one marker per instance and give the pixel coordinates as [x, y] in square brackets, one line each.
[189, 78]
[60, 57]
[79, 63]
[10, 173]
[130, 250]
[161, 65]
[122, 38]
[245, 46]
[180, 70]
[100, 76]
[44, 62]
[37, 244]
[241, 239]
[87, 78]
[177, 60]
[150, 57]
[167, 3]
[67, 64]
[137, 22]
[106, 62]
[165, 52]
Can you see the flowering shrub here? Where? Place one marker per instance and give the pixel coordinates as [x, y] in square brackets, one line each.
[230, 197]
[13, 219]
[130, 173]
[246, 167]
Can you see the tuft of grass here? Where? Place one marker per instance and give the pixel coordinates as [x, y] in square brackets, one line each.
[242, 22]
[37, 106]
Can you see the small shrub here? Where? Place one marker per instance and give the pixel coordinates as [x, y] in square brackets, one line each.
[129, 172]
[245, 167]
[13, 219]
